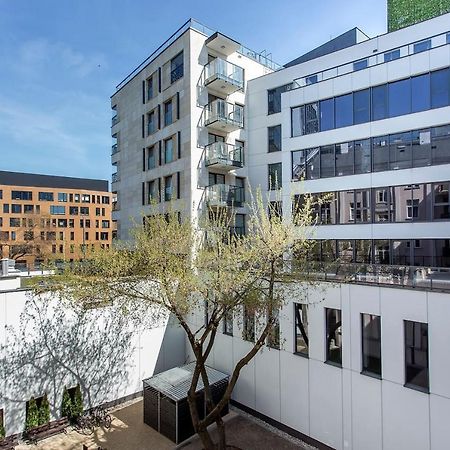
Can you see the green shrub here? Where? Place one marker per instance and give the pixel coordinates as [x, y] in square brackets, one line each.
[66, 406]
[44, 411]
[77, 405]
[2, 432]
[32, 419]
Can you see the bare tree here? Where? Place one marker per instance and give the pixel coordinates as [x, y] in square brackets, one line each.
[175, 266]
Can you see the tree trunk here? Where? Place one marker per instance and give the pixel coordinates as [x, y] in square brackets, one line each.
[222, 444]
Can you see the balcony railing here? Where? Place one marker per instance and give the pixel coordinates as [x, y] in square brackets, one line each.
[224, 155]
[224, 76]
[115, 177]
[114, 120]
[225, 195]
[222, 115]
[114, 149]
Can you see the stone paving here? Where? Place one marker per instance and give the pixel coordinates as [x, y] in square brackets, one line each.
[128, 432]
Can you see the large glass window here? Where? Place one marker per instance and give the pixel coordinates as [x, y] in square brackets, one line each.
[46, 196]
[440, 88]
[441, 203]
[327, 114]
[176, 68]
[274, 138]
[344, 110]
[361, 106]
[151, 159]
[379, 102]
[274, 98]
[311, 118]
[345, 248]
[399, 98]
[416, 355]
[275, 176]
[333, 336]
[346, 206]
[301, 344]
[168, 150]
[400, 151]
[344, 158]
[228, 323]
[440, 145]
[298, 121]
[390, 56]
[380, 153]
[442, 252]
[362, 150]
[168, 188]
[21, 195]
[327, 161]
[361, 210]
[422, 46]
[363, 251]
[420, 93]
[313, 164]
[168, 116]
[421, 148]
[381, 250]
[299, 164]
[371, 344]
[383, 210]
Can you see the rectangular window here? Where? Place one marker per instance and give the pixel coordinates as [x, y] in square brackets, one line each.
[274, 138]
[311, 79]
[333, 336]
[301, 343]
[16, 209]
[380, 153]
[441, 203]
[150, 88]
[399, 98]
[327, 114]
[297, 121]
[344, 156]
[168, 188]
[440, 88]
[248, 331]
[390, 56]
[299, 165]
[151, 123]
[311, 118]
[371, 344]
[56, 209]
[21, 195]
[360, 65]
[176, 68]
[421, 148]
[420, 93]
[274, 98]
[327, 161]
[275, 176]
[362, 151]
[379, 102]
[45, 196]
[361, 106]
[168, 150]
[168, 116]
[28, 209]
[228, 323]
[422, 46]
[62, 197]
[400, 151]
[440, 145]
[14, 222]
[344, 110]
[416, 355]
[151, 159]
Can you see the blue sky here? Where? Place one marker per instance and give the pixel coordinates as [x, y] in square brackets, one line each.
[61, 60]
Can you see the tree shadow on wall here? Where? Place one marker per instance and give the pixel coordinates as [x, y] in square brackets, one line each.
[59, 344]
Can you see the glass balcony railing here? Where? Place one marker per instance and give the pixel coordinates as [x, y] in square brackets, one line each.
[225, 195]
[114, 120]
[223, 115]
[225, 155]
[224, 76]
[114, 149]
[115, 177]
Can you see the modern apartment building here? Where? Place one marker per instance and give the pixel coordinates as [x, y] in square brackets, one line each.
[44, 216]
[362, 362]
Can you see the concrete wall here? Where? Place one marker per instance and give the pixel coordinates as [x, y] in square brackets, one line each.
[46, 345]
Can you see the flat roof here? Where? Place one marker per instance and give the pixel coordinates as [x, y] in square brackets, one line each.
[52, 181]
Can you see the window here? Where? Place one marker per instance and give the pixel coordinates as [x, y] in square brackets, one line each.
[379, 102]
[361, 106]
[327, 114]
[62, 197]
[412, 208]
[28, 209]
[400, 151]
[333, 336]
[440, 88]
[390, 56]
[168, 188]
[151, 122]
[14, 222]
[16, 209]
[327, 161]
[399, 98]
[420, 93]
[176, 68]
[275, 176]
[421, 148]
[21, 195]
[152, 192]
[274, 138]
[273, 338]
[228, 323]
[311, 118]
[151, 160]
[274, 98]
[298, 164]
[239, 224]
[344, 156]
[85, 198]
[448, 38]
[168, 150]
[344, 110]
[248, 332]
[6, 208]
[275, 210]
[73, 210]
[301, 343]
[84, 210]
[297, 121]
[440, 145]
[441, 203]
[168, 116]
[371, 344]
[416, 355]
[56, 209]
[311, 79]
[422, 46]
[150, 88]
[360, 65]
[45, 196]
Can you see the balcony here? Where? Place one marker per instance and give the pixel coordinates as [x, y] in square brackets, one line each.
[115, 177]
[223, 116]
[220, 195]
[114, 149]
[224, 156]
[114, 120]
[223, 76]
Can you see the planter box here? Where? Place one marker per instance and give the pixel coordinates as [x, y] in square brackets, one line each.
[47, 430]
[8, 443]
